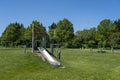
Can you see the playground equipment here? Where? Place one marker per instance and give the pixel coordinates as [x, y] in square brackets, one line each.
[51, 59]
[43, 52]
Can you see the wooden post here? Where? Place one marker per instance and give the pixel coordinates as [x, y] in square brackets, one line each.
[32, 38]
[58, 54]
[25, 49]
[44, 42]
[52, 48]
[112, 50]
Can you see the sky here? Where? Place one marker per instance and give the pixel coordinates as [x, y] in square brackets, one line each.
[84, 14]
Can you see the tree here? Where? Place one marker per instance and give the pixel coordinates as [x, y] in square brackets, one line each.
[114, 34]
[117, 23]
[64, 31]
[103, 32]
[77, 42]
[13, 34]
[87, 37]
[28, 33]
[52, 33]
[0, 41]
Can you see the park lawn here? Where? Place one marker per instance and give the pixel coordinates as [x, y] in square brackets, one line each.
[76, 65]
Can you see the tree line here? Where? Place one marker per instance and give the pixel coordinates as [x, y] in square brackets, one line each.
[105, 35]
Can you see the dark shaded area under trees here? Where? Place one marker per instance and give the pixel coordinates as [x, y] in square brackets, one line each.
[105, 35]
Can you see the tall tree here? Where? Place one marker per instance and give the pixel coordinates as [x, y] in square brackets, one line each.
[64, 31]
[52, 34]
[28, 34]
[13, 34]
[0, 41]
[87, 37]
[103, 32]
[117, 23]
[114, 34]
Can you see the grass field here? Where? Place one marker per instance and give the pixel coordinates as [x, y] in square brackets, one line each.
[77, 65]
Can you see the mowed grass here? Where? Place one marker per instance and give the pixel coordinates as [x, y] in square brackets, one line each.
[76, 65]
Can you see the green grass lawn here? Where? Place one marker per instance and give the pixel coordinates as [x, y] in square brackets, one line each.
[76, 65]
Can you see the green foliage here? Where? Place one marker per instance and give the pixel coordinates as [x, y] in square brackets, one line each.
[77, 42]
[52, 33]
[103, 32]
[106, 34]
[61, 32]
[64, 30]
[117, 23]
[87, 37]
[28, 34]
[13, 34]
[92, 43]
[0, 41]
[114, 33]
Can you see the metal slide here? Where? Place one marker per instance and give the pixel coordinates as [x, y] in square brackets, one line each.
[48, 57]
